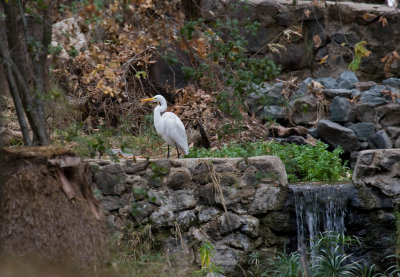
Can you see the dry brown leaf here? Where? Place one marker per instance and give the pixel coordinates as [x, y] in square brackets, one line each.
[369, 16]
[307, 13]
[323, 60]
[316, 85]
[317, 40]
[383, 20]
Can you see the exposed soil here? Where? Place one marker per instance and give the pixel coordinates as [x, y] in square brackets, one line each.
[38, 218]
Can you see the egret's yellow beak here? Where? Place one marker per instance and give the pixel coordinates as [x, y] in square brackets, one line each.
[147, 99]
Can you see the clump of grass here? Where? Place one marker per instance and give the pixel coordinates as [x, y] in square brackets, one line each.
[326, 258]
[302, 162]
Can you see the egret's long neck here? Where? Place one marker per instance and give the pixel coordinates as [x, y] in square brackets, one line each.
[158, 121]
[163, 104]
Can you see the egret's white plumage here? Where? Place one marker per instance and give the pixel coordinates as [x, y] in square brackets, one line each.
[168, 125]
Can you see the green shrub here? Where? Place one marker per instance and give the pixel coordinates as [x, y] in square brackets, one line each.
[327, 258]
[223, 63]
[302, 162]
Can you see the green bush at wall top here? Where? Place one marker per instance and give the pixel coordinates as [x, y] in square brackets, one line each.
[302, 162]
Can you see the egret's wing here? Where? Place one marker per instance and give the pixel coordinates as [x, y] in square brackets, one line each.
[175, 131]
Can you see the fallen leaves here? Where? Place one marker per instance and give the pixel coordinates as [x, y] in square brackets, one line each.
[389, 59]
[383, 20]
[317, 41]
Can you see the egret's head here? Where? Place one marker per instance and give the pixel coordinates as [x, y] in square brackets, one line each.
[156, 98]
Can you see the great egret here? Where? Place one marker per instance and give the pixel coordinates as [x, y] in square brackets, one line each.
[169, 126]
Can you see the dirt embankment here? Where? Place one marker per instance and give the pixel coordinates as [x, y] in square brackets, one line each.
[47, 209]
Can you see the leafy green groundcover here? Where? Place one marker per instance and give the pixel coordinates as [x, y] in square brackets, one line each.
[302, 162]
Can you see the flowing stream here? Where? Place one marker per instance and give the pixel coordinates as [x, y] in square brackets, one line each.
[319, 208]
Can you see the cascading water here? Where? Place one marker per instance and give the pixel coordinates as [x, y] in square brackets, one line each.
[319, 208]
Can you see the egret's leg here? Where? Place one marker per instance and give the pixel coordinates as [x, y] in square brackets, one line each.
[177, 151]
[168, 152]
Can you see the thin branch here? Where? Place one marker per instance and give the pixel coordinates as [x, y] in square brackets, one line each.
[15, 94]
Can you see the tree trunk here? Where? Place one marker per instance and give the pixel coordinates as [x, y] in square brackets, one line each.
[26, 74]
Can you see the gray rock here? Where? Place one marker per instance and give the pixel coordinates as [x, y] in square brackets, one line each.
[397, 143]
[163, 217]
[362, 86]
[369, 198]
[266, 10]
[227, 258]
[328, 83]
[347, 37]
[284, 19]
[335, 135]
[207, 212]
[237, 241]
[274, 112]
[340, 109]
[393, 132]
[353, 158]
[380, 140]
[185, 218]
[137, 181]
[363, 130]
[112, 203]
[153, 179]
[229, 222]
[272, 169]
[313, 132]
[253, 101]
[267, 198]
[392, 82]
[332, 93]
[200, 172]
[110, 179]
[364, 145]
[141, 210]
[275, 93]
[379, 169]
[347, 79]
[180, 254]
[178, 178]
[363, 112]
[304, 86]
[251, 226]
[228, 174]
[133, 167]
[388, 115]
[182, 200]
[304, 109]
[373, 96]
[230, 196]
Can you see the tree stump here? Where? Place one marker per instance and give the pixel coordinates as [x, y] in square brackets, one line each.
[47, 208]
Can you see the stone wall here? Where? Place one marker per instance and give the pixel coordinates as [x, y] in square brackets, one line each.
[239, 205]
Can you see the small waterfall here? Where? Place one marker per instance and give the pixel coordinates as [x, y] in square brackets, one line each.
[319, 208]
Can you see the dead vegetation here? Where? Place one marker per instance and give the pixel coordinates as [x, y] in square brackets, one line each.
[41, 220]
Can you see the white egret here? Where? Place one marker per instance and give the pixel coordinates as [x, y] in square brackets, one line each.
[169, 126]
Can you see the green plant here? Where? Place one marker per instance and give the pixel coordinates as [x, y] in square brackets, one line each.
[208, 268]
[302, 162]
[365, 271]
[284, 265]
[254, 261]
[359, 52]
[223, 61]
[330, 257]
[394, 269]
[158, 171]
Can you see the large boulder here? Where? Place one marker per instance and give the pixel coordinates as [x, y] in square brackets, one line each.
[305, 110]
[379, 169]
[337, 135]
[340, 109]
